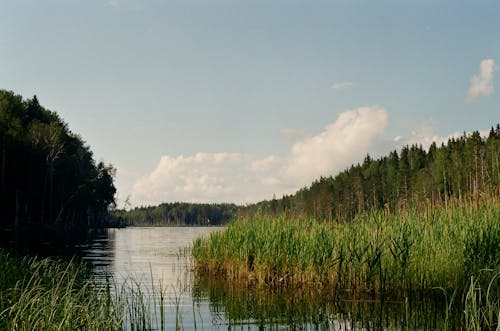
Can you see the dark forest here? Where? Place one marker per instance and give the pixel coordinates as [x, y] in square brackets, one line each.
[47, 173]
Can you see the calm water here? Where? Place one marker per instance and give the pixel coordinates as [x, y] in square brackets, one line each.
[151, 258]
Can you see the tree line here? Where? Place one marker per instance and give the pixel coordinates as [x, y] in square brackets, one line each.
[47, 173]
[465, 168]
[178, 213]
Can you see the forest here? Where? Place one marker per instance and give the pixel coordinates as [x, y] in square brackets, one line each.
[465, 168]
[178, 213]
[47, 172]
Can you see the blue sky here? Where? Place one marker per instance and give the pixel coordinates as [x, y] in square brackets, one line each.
[240, 100]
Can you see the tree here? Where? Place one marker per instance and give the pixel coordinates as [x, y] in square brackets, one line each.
[44, 167]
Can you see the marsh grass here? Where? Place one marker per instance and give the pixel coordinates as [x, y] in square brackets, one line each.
[413, 250]
[482, 304]
[381, 254]
[44, 294]
[48, 294]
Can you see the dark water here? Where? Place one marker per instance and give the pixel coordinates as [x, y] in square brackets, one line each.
[152, 259]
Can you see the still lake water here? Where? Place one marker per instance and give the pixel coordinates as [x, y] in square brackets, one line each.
[151, 258]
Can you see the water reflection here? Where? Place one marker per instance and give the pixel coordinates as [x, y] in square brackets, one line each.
[45, 241]
[152, 258]
[250, 307]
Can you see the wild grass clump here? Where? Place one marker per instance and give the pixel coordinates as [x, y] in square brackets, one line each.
[482, 302]
[44, 294]
[378, 252]
[47, 294]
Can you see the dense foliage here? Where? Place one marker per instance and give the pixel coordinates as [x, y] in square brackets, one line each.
[179, 213]
[47, 172]
[465, 168]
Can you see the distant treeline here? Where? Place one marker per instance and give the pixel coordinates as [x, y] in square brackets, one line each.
[467, 167]
[47, 173]
[178, 213]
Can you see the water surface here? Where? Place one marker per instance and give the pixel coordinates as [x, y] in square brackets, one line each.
[154, 259]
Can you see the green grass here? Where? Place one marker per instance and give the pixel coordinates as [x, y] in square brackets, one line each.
[417, 250]
[47, 294]
[482, 302]
[44, 294]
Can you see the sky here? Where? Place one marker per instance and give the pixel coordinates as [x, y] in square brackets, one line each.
[238, 101]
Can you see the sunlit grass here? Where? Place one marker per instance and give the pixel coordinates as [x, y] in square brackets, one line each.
[417, 250]
[46, 294]
[43, 294]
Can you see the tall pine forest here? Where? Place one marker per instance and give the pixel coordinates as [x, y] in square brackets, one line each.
[465, 169]
[47, 173]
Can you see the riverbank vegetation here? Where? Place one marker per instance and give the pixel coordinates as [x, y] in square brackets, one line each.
[50, 294]
[415, 251]
[45, 294]
[418, 249]
[47, 172]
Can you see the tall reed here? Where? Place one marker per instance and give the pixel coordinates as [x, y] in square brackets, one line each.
[414, 251]
[47, 294]
[417, 249]
[43, 294]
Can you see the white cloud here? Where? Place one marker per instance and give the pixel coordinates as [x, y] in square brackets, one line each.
[482, 84]
[347, 140]
[201, 177]
[235, 177]
[425, 134]
[342, 85]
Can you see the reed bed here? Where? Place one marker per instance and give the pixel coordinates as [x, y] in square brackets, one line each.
[44, 294]
[48, 294]
[450, 252]
[418, 249]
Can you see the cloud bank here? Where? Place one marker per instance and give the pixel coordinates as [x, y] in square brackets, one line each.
[239, 178]
[235, 177]
[482, 84]
[347, 140]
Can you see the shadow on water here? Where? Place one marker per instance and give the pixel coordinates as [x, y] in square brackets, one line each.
[315, 308]
[95, 246]
[48, 241]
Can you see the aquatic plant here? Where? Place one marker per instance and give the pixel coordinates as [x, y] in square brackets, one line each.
[379, 253]
[48, 294]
